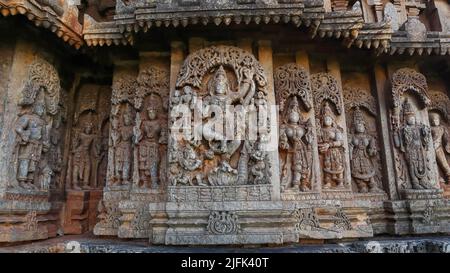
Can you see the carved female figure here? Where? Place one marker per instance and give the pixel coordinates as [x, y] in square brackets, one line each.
[413, 140]
[332, 150]
[362, 151]
[441, 143]
[295, 138]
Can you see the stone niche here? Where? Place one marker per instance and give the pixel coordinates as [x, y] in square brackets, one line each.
[221, 188]
[422, 208]
[88, 157]
[32, 137]
[438, 113]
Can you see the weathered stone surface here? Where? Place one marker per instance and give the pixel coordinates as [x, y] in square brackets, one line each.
[225, 122]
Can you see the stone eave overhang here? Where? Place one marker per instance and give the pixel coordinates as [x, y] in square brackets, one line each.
[346, 25]
[435, 43]
[65, 26]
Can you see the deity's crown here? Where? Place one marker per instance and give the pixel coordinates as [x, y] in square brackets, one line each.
[220, 72]
[327, 111]
[358, 116]
[408, 108]
[294, 106]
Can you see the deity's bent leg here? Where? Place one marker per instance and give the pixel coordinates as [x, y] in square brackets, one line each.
[443, 163]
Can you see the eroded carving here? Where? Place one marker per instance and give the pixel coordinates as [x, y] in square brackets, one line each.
[223, 222]
[296, 129]
[411, 133]
[363, 148]
[37, 120]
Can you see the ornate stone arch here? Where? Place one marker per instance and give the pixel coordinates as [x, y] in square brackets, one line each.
[199, 63]
[152, 80]
[407, 79]
[42, 74]
[326, 87]
[293, 80]
[440, 102]
[358, 97]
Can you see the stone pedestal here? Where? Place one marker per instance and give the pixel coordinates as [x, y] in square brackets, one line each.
[94, 199]
[81, 211]
[219, 223]
[135, 219]
[23, 216]
[109, 213]
[422, 212]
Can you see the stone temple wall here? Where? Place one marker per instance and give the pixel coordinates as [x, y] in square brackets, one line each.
[246, 135]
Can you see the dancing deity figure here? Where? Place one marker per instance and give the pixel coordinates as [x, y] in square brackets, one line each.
[414, 140]
[33, 141]
[331, 146]
[363, 151]
[295, 138]
[441, 144]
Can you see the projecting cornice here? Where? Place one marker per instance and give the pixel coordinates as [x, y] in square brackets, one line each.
[61, 19]
[132, 17]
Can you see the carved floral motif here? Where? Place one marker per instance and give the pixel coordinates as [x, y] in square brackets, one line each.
[223, 222]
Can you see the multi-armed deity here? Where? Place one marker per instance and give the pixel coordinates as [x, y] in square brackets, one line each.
[414, 139]
[363, 151]
[212, 158]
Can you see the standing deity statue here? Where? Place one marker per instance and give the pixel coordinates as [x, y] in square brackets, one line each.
[33, 141]
[441, 144]
[295, 138]
[123, 150]
[82, 161]
[363, 151]
[148, 155]
[414, 140]
[331, 146]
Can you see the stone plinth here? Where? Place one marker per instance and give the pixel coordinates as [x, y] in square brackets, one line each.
[23, 216]
[81, 211]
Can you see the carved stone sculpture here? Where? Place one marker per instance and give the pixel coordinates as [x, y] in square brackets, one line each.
[441, 143]
[331, 147]
[123, 149]
[297, 132]
[363, 150]
[82, 161]
[413, 139]
[148, 146]
[296, 139]
[33, 141]
[234, 78]
[414, 154]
